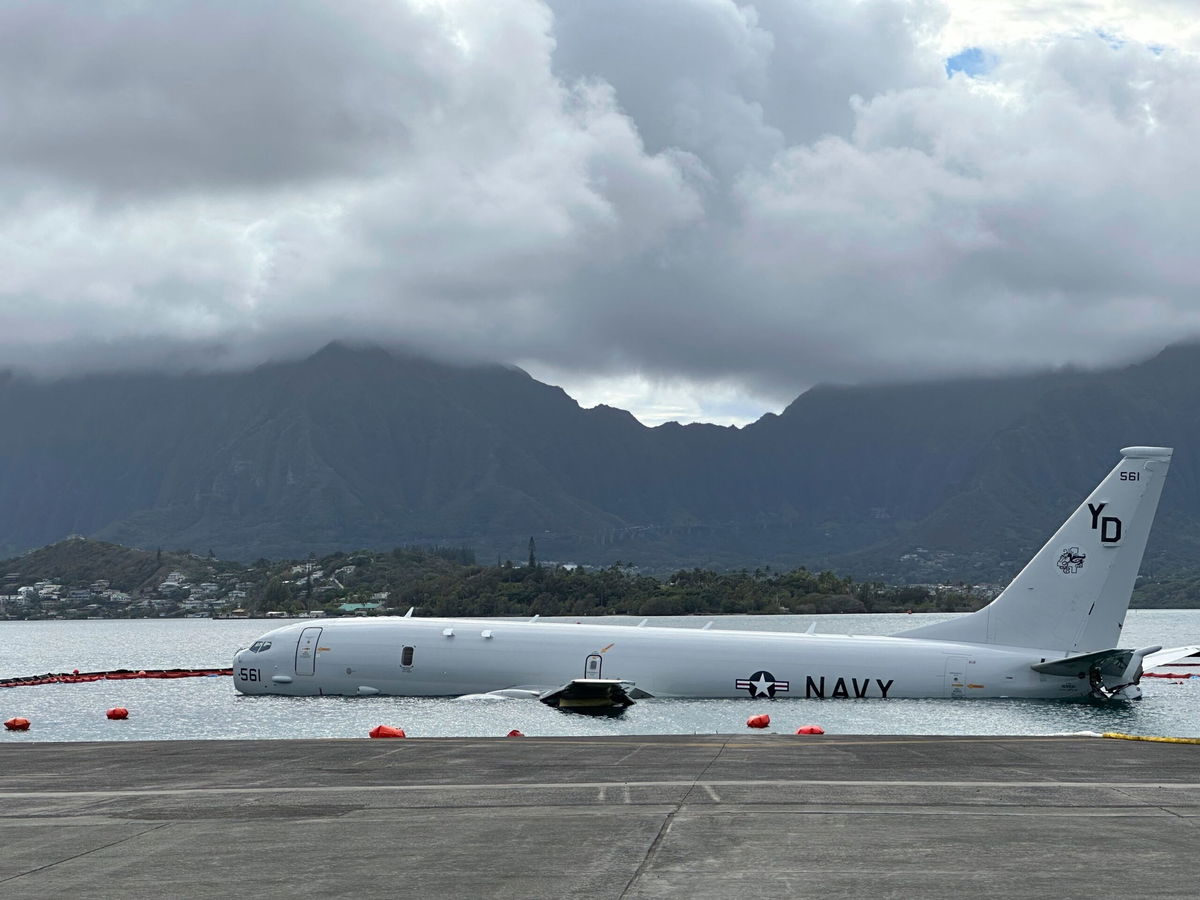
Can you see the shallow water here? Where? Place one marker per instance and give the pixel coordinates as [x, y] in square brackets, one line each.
[211, 708]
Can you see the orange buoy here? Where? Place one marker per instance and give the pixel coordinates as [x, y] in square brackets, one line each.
[760, 721]
[118, 712]
[17, 724]
[514, 733]
[387, 731]
[810, 729]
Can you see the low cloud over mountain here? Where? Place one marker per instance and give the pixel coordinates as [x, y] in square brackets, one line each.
[702, 205]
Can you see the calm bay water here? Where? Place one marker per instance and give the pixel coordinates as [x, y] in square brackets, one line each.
[209, 708]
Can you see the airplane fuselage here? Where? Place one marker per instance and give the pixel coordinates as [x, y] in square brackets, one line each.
[1071, 597]
[414, 657]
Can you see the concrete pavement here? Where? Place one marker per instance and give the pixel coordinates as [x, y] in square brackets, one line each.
[708, 816]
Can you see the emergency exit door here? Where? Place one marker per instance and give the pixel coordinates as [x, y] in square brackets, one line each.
[591, 668]
[956, 676]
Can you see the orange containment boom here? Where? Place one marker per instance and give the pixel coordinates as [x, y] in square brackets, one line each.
[77, 677]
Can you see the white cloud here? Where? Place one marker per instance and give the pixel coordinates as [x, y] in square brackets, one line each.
[696, 207]
[1163, 23]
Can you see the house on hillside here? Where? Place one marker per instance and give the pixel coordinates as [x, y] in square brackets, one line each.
[360, 609]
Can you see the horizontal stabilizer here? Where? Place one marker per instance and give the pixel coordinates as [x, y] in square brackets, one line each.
[1109, 662]
[1174, 656]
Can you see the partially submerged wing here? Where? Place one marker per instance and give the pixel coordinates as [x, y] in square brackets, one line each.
[512, 693]
[606, 696]
[577, 695]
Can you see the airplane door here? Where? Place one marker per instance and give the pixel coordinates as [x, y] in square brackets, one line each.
[956, 676]
[306, 651]
[591, 667]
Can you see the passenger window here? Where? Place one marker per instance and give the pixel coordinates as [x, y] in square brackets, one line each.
[406, 656]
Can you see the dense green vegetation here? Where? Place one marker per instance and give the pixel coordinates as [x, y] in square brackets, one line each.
[1180, 592]
[76, 562]
[447, 581]
[439, 587]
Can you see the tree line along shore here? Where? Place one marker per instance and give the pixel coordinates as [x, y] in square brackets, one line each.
[82, 578]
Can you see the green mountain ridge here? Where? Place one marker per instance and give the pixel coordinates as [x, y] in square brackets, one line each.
[359, 447]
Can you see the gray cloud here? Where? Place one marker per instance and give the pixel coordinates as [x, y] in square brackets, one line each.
[169, 95]
[750, 196]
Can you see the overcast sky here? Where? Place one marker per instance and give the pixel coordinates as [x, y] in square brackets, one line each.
[692, 209]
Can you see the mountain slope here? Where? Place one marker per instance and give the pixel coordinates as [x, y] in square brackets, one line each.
[358, 447]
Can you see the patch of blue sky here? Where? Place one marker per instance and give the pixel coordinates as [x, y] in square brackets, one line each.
[1116, 42]
[972, 62]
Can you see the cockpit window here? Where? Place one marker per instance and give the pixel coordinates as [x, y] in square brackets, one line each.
[260, 646]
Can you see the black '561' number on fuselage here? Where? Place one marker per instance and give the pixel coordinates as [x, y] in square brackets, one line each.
[249, 674]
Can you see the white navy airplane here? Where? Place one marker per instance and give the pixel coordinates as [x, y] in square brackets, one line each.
[1052, 633]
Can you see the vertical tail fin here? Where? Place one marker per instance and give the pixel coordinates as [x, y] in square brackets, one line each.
[1073, 595]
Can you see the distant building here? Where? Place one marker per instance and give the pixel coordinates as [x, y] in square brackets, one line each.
[359, 609]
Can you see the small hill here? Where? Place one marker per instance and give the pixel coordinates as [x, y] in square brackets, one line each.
[81, 561]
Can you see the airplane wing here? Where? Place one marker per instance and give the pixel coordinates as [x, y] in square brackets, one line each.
[523, 692]
[606, 696]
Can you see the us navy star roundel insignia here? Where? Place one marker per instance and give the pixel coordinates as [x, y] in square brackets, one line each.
[761, 684]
